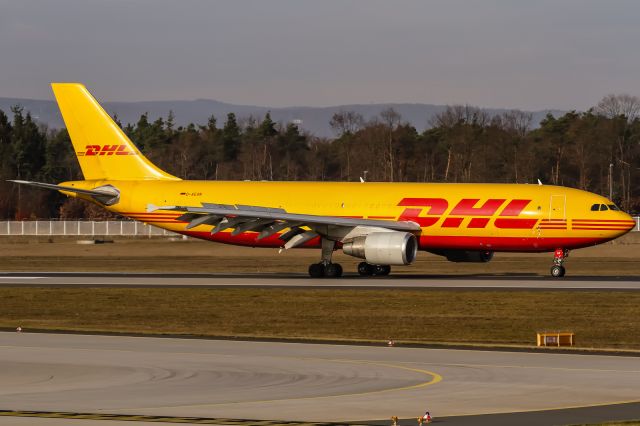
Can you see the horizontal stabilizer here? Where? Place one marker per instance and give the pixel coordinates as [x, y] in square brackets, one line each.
[107, 194]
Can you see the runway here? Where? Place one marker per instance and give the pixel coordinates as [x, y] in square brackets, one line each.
[320, 384]
[453, 282]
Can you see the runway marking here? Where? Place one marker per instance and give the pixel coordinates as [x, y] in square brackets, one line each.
[435, 378]
[540, 367]
[21, 278]
[565, 407]
[434, 381]
[159, 419]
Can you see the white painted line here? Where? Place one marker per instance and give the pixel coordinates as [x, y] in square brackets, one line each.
[19, 278]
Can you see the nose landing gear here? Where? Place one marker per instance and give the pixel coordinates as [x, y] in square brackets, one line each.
[557, 270]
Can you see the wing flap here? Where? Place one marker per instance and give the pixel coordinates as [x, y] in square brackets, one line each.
[254, 212]
[299, 239]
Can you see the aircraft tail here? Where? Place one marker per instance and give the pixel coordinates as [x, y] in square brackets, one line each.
[102, 148]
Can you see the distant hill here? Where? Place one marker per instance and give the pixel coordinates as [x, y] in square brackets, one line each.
[313, 119]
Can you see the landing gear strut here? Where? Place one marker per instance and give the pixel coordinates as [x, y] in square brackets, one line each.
[557, 270]
[366, 269]
[325, 268]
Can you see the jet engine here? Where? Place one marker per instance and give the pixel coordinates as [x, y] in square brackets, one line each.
[383, 248]
[466, 256]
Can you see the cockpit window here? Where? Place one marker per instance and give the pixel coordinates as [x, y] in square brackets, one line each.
[604, 207]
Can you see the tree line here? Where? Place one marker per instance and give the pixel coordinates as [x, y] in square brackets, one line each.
[597, 150]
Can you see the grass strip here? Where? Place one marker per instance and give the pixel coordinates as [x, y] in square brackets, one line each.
[600, 319]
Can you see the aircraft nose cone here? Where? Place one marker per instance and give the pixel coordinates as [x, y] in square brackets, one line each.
[626, 222]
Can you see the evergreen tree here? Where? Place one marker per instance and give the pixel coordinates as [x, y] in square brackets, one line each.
[28, 145]
[7, 169]
[268, 127]
[6, 150]
[230, 138]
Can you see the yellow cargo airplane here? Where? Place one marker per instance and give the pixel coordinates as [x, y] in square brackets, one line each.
[382, 223]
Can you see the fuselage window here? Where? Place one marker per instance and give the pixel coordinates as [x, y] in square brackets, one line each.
[595, 207]
[603, 207]
[613, 207]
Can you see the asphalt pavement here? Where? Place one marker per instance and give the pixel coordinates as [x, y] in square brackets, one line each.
[292, 383]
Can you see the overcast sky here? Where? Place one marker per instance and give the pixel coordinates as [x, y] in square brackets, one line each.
[529, 54]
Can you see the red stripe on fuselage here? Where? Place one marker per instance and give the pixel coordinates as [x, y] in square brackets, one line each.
[427, 242]
[602, 220]
[148, 214]
[515, 223]
[602, 228]
[511, 244]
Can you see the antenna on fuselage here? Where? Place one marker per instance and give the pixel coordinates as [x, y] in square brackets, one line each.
[539, 182]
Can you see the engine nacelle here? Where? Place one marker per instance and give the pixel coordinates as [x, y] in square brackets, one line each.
[467, 256]
[383, 248]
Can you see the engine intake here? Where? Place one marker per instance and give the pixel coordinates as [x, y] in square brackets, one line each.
[383, 248]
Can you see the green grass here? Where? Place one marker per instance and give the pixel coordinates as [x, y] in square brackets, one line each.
[599, 319]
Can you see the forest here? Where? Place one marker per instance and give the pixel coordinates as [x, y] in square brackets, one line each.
[597, 150]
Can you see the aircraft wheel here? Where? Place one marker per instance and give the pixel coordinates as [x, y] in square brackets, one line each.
[333, 270]
[316, 270]
[365, 269]
[381, 270]
[557, 271]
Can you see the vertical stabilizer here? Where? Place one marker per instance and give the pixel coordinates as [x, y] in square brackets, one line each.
[102, 148]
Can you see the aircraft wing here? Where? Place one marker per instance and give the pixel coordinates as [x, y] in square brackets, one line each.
[268, 221]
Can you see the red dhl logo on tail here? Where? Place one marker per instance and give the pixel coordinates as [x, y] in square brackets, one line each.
[93, 150]
[434, 208]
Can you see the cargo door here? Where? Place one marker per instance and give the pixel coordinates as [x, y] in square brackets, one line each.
[558, 207]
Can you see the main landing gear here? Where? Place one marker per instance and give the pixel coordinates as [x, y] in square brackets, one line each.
[321, 270]
[557, 270]
[325, 268]
[366, 269]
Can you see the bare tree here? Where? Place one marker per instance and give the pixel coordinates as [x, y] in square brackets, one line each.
[391, 119]
[461, 125]
[517, 124]
[612, 106]
[346, 122]
[617, 106]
